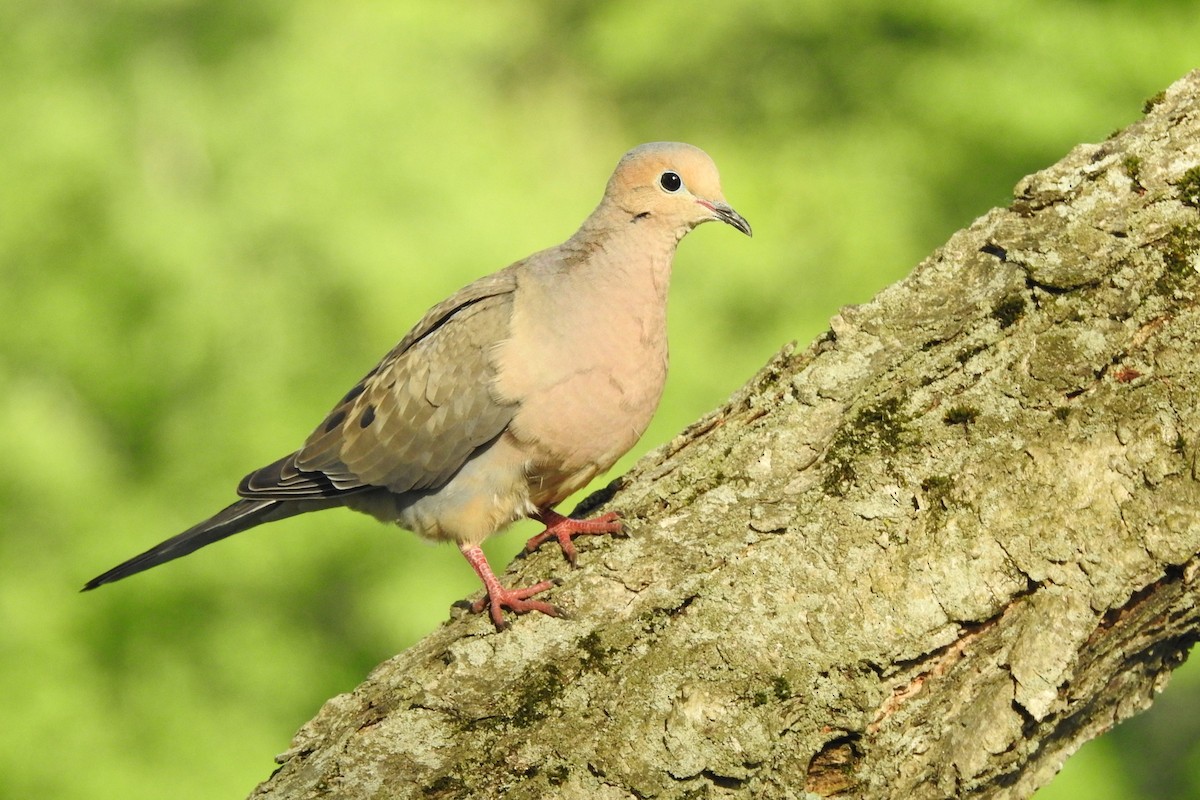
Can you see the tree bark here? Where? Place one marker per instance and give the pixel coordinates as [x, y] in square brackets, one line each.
[927, 557]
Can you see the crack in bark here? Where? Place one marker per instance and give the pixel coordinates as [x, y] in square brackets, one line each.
[831, 770]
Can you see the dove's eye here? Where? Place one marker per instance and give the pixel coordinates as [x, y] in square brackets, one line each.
[670, 182]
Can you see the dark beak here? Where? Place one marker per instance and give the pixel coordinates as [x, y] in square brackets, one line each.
[726, 214]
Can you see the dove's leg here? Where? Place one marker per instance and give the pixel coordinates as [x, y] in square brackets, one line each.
[498, 598]
[563, 528]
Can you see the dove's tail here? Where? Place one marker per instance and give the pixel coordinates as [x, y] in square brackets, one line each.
[240, 516]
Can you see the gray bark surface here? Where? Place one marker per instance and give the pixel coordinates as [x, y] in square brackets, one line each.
[929, 556]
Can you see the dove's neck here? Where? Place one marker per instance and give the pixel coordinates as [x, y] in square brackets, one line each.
[630, 257]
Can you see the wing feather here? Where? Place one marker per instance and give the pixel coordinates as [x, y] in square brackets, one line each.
[414, 420]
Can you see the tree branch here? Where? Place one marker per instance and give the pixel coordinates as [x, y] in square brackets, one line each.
[928, 556]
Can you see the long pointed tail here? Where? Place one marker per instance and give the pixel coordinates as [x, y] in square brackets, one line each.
[236, 518]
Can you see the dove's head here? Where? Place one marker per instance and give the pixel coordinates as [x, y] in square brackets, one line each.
[672, 185]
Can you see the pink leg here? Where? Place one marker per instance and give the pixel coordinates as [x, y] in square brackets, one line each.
[498, 598]
[563, 528]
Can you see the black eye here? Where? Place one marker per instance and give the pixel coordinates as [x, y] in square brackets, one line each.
[670, 181]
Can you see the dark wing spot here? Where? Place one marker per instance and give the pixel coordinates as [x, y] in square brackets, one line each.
[335, 420]
[640, 217]
[353, 393]
[368, 417]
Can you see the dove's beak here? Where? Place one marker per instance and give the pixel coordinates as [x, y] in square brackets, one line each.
[726, 214]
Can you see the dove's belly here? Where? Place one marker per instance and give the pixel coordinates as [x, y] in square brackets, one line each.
[489, 492]
[577, 429]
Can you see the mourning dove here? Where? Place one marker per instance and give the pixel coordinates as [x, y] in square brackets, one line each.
[507, 397]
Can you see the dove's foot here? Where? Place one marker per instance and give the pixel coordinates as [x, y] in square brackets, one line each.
[563, 528]
[499, 598]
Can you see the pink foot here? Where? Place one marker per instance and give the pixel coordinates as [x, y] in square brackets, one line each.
[498, 598]
[563, 528]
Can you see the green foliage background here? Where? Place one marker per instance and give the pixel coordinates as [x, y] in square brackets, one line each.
[215, 216]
